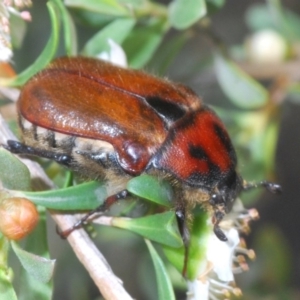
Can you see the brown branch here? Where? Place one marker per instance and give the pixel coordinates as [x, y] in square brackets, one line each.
[88, 254]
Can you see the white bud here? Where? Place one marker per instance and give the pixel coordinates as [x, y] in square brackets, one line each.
[266, 47]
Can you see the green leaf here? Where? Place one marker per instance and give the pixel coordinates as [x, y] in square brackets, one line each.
[90, 19]
[216, 3]
[166, 53]
[183, 14]
[40, 268]
[134, 4]
[151, 188]
[214, 6]
[164, 285]
[7, 291]
[70, 36]
[14, 174]
[293, 24]
[258, 17]
[143, 42]
[46, 56]
[262, 16]
[4, 248]
[161, 228]
[108, 7]
[18, 28]
[85, 196]
[117, 30]
[284, 21]
[240, 88]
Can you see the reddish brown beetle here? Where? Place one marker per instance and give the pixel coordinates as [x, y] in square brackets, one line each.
[113, 124]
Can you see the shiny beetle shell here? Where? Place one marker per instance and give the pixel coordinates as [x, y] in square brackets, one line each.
[113, 123]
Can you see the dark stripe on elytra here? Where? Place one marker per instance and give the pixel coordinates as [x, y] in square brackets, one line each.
[198, 152]
[214, 172]
[170, 112]
[223, 136]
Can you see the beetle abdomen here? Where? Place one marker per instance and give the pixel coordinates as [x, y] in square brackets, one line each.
[98, 155]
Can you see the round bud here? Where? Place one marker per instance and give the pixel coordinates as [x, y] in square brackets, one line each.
[18, 217]
[266, 47]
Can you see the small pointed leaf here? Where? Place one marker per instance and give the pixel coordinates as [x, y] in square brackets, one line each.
[117, 30]
[151, 188]
[240, 88]
[183, 14]
[39, 267]
[14, 174]
[108, 7]
[164, 285]
[7, 291]
[143, 41]
[161, 228]
[84, 196]
[70, 36]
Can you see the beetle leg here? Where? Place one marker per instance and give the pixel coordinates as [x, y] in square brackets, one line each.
[185, 235]
[217, 230]
[19, 148]
[270, 186]
[109, 201]
[219, 206]
[184, 232]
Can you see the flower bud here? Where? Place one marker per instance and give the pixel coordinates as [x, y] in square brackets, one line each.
[266, 47]
[18, 217]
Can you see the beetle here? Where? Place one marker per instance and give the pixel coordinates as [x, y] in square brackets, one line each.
[113, 124]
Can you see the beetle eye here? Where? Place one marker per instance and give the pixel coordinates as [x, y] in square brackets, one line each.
[170, 112]
[216, 199]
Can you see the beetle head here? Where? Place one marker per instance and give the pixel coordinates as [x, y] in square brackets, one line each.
[222, 200]
[226, 192]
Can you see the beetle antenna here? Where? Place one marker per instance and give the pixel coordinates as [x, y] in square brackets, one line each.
[272, 187]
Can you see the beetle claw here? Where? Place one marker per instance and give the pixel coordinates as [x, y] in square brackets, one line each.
[272, 187]
[217, 230]
[219, 233]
